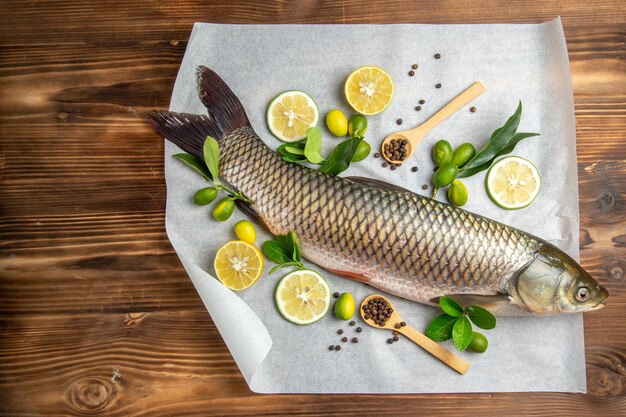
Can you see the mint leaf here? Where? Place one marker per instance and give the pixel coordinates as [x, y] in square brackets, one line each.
[195, 163]
[294, 151]
[313, 146]
[481, 317]
[276, 252]
[462, 333]
[339, 159]
[211, 155]
[440, 329]
[448, 305]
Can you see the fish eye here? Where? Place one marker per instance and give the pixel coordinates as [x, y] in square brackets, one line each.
[582, 294]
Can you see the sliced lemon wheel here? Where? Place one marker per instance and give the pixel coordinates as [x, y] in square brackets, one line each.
[290, 115]
[303, 297]
[238, 264]
[513, 182]
[369, 90]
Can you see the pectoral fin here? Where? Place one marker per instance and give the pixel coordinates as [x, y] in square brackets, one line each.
[499, 304]
[354, 276]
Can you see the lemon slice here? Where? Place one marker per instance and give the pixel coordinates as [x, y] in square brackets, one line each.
[303, 297]
[513, 182]
[290, 115]
[369, 90]
[238, 264]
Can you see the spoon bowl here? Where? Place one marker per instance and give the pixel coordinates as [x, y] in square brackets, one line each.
[416, 135]
[453, 361]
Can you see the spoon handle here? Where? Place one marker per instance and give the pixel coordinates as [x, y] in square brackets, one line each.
[446, 111]
[444, 355]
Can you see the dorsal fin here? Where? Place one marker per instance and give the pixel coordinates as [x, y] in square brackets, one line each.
[370, 182]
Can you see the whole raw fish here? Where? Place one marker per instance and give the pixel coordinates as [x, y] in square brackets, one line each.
[392, 239]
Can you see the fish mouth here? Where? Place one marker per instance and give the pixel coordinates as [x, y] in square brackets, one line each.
[598, 306]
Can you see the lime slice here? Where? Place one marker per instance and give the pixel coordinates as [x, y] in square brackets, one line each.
[290, 115]
[303, 297]
[238, 264]
[513, 182]
[369, 90]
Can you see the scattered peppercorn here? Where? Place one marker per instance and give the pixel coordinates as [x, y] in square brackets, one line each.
[425, 187]
[395, 333]
[344, 339]
[438, 85]
[396, 338]
[390, 341]
[331, 347]
[435, 169]
[352, 323]
[414, 169]
[359, 329]
[399, 121]
[355, 340]
[473, 109]
[414, 66]
[403, 324]
[376, 155]
[385, 164]
[422, 101]
[337, 347]
[336, 295]
[339, 331]
[411, 73]
[393, 167]
[437, 56]
[418, 108]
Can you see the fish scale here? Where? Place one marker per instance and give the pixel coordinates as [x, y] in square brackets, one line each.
[400, 242]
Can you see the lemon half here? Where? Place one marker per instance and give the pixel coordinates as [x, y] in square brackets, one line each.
[369, 90]
[238, 264]
[290, 115]
[513, 182]
[303, 297]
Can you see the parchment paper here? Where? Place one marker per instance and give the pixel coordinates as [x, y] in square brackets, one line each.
[514, 62]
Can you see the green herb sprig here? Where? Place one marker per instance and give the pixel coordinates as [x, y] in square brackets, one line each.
[455, 322]
[209, 170]
[284, 251]
[501, 142]
[310, 150]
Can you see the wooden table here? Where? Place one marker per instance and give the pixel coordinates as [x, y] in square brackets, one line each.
[97, 316]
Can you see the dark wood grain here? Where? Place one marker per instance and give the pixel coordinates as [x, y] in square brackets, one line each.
[97, 315]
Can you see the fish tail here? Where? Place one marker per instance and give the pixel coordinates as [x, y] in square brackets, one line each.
[189, 131]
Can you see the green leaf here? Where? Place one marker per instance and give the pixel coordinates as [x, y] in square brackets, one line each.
[294, 151]
[276, 252]
[462, 333]
[293, 246]
[498, 141]
[211, 155]
[339, 159]
[285, 265]
[481, 317]
[464, 173]
[313, 147]
[293, 158]
[451, 307]
[440, 329]
[195, 163]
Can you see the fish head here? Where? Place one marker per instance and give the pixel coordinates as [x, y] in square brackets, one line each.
[554, 283]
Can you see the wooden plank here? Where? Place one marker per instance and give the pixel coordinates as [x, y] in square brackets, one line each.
[96, 314]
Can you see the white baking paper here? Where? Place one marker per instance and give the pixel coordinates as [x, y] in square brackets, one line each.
[514, 62]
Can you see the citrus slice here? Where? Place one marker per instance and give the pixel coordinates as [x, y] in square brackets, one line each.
[369, 90]
[303, 297]
[513, 182]
[290, 115]
[238, 264]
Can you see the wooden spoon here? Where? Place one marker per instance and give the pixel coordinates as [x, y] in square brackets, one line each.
[415, 136]
[444, 355]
